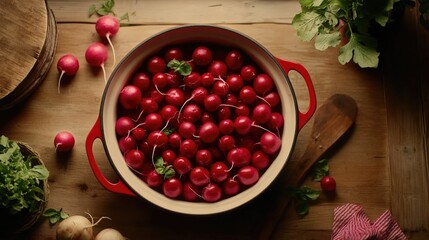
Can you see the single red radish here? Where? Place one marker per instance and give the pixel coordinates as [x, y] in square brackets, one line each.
[218, 68]
[226, 143]
[169, 156]
[234, 60]
[172, 187]
[248, 73]
[248, 175]
[174, 140]
[328, 184]
[187, 129]
[156, 64]
[154, 179]
[263, 84]
[211, 193]
[203, 157]
[270, 143]
[64, 141]
[130, 97]
[202, 56]
[173, 53]
[261, 113]
[126, 144]
[182, 165]
[273, 99]
[134, 159]
[190, 192]
[231, 186]
[68, 65]
[209, 132]
[260, 160]
[239, 157]
[107, 26]
[123, 126]
[188, 148]
[218, 172]
[96, 56]
[199, 176]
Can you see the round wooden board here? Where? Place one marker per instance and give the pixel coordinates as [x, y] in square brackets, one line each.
[28, 40]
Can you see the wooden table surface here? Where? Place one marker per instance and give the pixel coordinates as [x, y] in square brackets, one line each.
[382, 164]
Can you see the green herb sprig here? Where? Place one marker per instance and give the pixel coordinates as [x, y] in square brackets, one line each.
[165, 170]
[183, 67]
[302, 196]
[319, 170]
[55, 215]
[106, 8]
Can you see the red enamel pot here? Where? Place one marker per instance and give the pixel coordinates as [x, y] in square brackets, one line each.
[104, 128]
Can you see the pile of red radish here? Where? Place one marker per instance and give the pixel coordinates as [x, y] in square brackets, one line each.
[199, 122]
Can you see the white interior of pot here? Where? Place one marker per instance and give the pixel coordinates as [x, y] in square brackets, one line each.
[186, 34]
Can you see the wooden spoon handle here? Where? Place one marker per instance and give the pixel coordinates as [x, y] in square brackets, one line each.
[331, 121]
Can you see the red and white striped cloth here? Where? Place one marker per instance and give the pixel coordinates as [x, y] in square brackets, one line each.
[351, 223]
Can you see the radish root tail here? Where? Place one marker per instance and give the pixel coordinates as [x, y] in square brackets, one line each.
[113, 49]
[59, 81]
[96, 223]
[104, 73]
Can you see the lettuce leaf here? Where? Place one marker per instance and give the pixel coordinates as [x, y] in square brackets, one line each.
[19, 179]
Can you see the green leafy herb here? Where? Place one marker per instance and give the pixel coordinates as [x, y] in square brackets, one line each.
[362, 48]
[327, 21]
[19, 179]
[319, 170]
[168, 131]
[302, 197]
[124, 17]
[105, 8]
[183, 67]
[165, 170]
[55, 215]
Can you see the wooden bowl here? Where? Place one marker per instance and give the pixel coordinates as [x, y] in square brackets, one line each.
[28, 43]
[104, 128]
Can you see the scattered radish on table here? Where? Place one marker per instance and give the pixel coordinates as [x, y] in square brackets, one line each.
[64, 141]
[107, 26]
[96, 56]
[68, 65]
[328, 184]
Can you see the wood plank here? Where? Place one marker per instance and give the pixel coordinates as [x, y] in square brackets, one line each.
[406, 75]
[184, 12]
[358, 163]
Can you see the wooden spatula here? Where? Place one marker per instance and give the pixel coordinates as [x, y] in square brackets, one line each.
[331, 121]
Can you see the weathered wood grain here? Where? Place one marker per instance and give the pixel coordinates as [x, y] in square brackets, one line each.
[184, 12]
[407, 88]
[359, 163]
[28, 41]
[383, 164]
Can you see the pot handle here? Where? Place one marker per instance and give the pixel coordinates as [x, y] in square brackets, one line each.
[303, 118]
[118, 187]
